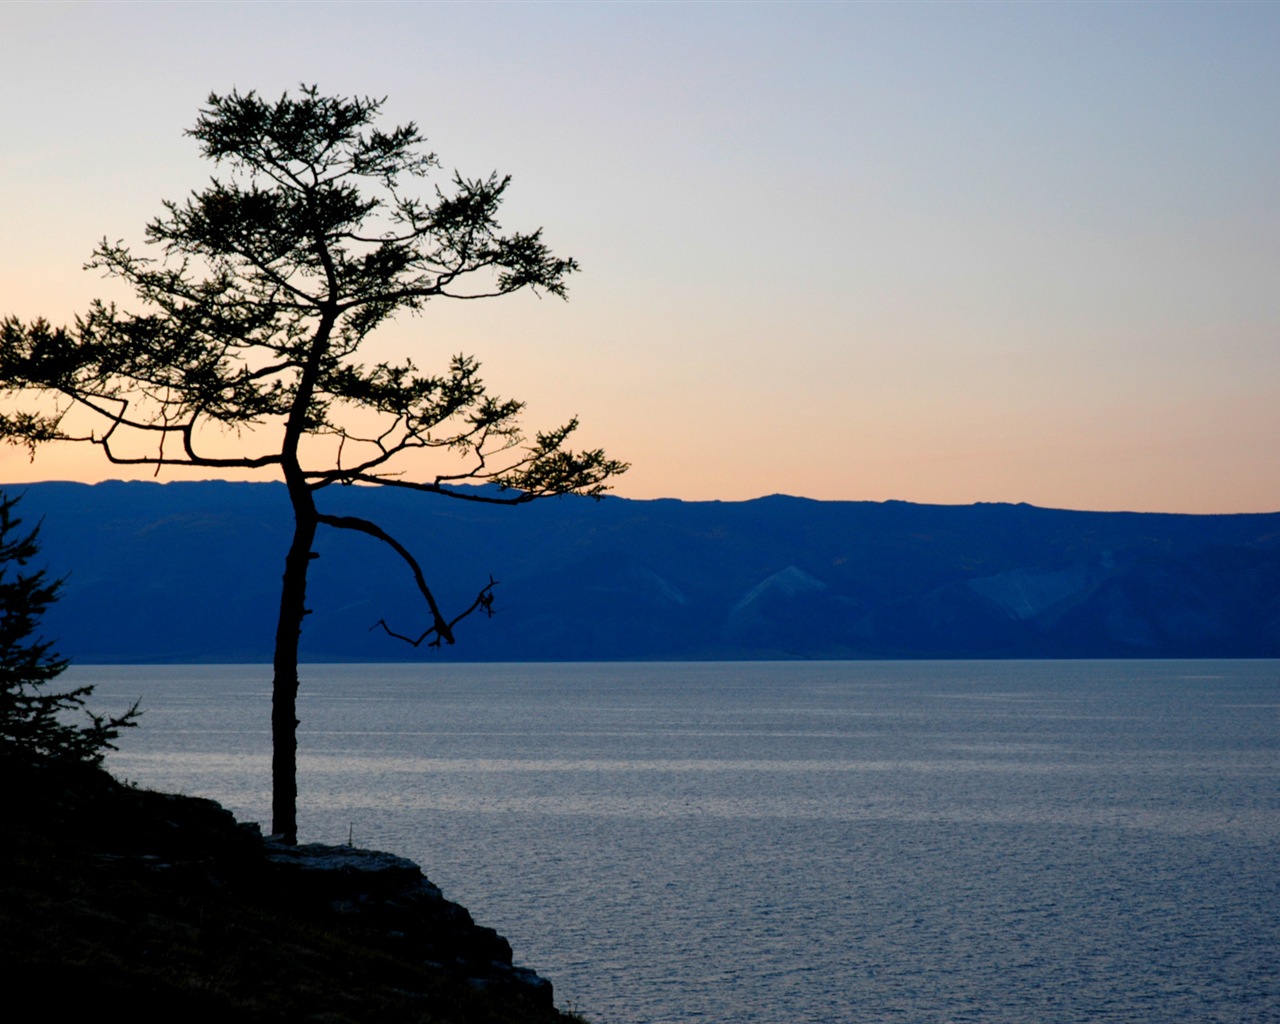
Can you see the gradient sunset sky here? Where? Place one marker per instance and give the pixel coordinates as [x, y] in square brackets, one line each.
[935, 252]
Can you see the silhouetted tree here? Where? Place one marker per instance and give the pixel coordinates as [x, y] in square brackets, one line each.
[272, 279]
[35, 720]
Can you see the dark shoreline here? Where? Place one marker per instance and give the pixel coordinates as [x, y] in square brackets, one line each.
[166, 906]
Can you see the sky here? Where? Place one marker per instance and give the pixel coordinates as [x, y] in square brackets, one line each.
[940, 253]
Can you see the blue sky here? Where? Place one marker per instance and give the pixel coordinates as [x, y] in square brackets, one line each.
[935, 252]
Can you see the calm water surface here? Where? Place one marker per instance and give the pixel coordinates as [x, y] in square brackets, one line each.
[869, 843]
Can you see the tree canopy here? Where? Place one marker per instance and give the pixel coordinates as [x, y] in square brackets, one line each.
[251, 321]
[34, 719]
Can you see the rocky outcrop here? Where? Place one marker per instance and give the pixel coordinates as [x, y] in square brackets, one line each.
[164, 904]
[393, 903]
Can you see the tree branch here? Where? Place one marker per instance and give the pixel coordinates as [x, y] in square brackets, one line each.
[484, 600]
[520, 498]
[442, 628]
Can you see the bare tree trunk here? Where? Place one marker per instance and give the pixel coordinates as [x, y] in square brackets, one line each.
[293, 601]
[284, 687]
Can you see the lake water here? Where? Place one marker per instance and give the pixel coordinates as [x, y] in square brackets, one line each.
[843, 842]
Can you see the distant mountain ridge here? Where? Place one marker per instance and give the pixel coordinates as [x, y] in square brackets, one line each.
[189, 572]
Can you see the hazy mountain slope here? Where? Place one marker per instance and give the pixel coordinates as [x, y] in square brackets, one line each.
[190, 571]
